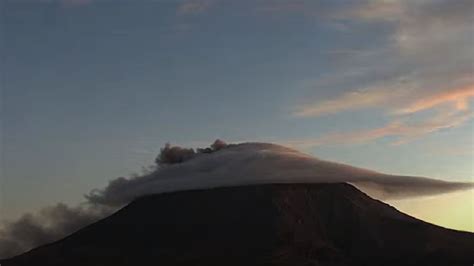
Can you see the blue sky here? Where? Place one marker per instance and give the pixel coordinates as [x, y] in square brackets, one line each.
[92, 89]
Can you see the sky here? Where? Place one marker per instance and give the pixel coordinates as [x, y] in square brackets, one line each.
[92, 89]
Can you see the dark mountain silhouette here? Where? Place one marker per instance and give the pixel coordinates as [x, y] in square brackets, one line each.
[272, 224]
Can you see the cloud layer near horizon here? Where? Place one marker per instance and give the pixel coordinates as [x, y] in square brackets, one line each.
[242, 164]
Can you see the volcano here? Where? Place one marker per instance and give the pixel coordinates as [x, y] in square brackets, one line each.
[262, 224]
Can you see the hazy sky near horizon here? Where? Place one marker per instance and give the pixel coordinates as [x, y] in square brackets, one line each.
[92, 89]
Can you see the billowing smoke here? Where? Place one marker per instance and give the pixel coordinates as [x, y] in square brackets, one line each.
[55, 222]
[49, 224]
[258, 163]
[219, 165]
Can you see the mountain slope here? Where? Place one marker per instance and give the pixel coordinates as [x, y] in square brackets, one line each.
[273, 224]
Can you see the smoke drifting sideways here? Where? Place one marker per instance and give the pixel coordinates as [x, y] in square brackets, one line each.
[220, 165]
[49, 224]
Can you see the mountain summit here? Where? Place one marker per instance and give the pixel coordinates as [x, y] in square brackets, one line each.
[265, 224]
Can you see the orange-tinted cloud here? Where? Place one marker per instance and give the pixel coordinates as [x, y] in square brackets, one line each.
[353, 100]
[389, 97]
[403, 127]
[459, 97]
[404, 131]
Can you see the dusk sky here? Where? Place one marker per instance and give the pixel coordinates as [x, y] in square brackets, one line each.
[92, 89]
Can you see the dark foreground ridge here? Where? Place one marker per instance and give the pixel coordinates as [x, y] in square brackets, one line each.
[276, 224]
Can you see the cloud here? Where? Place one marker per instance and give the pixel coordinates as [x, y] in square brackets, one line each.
[49, 224]
[354, 100]
[459, 97]
[399, 95]
[425, 29]
[423, 67]
[377, 10]
[190, 7]
[256, 163]
[404, 130]
[450, 107]
[233, 165]
[430, 37]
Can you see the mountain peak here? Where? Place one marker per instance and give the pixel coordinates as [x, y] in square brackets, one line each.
[266, 224]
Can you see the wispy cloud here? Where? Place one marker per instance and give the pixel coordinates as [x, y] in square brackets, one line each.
[401, 129]
[389, 97]
[423, 84]
[377, 10]
[450, 108]
[353, 100]
[190, 7]
[422, 26]
[459, 98]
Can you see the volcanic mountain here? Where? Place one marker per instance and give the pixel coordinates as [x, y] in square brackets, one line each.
[259, 224]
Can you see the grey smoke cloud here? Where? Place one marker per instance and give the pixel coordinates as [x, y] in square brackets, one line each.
[49, 224]
[227, 165]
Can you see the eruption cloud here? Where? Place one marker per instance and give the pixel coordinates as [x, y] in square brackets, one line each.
[220, 165]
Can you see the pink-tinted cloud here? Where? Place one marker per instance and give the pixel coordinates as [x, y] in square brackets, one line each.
[459, 98]
[353, 100]
[394, 97]
[428, 60]
[451, 109]
[403, 131]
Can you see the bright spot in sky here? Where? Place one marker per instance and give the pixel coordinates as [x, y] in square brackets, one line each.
[452, 210]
